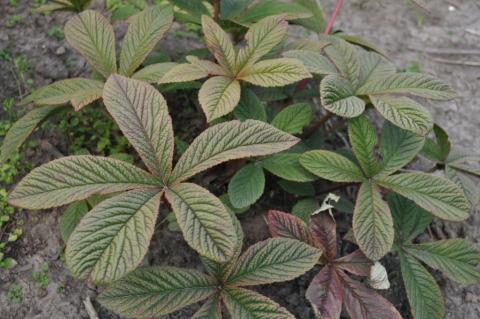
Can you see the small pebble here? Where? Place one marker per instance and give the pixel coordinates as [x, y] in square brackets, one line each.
[60, 51]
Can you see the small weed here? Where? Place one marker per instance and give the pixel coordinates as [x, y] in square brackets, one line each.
[15, 294]
[41, 277]
[12, 21]
[56, 32]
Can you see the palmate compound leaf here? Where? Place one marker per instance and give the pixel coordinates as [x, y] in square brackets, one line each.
[156, 291]
[141, 112]
[331, 166]
[457, 258]
[261, 38]
[246, 186]
[363, 138]
[219, 43]
[218, 96]
[398, 147]
[21, 129]
[154, 72]
[206, 224]
[112, 239]
[287, 166]
[314, 62]
[246, 304]
[92, 35]
[404, 113]
[74, 178]
[286, 225]
[325, 293]
[416, 84]
[364, 303]
[439, 196]
[372, 222]
[228, 141]
[424, 295]
[78, 91]
[338, 96]
[293, 118]
[275, 72]
[144, 31]
[273, 260]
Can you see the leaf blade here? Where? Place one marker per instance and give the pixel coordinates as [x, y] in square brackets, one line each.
[363, 138]
[275, 72]
[218, 96]
[325, 293]
[219, 43]
[331, 166]
[246, 186]
[338, 96]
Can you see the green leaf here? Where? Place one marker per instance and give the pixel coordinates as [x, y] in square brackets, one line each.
[250, 107]
[438, 150]
[219, 43]
[246, 304]
[404, 113]
[317, 21]
[373, 65]
[78, 91]
[92, 35]
[331, 166]
[469, 186]
[359, 41]
[307, 45]
[184, 72]
[261, 38]
[208, 66]
[424, 295]
[313, 61]
[246, 186]
[297, 188]
[441, 197]
[112, 239]
[228, 141]
[338, 96]
[363, 138]
[372, 222]
[416, 84]
[156, 291]
[218, 96]
[457, 258]
[21, 129]
[265, 8]
[305, 208]
[273, 260]
[398, 148]
[287, 166]
[145, 30]
[293, 118]
[74, 178]
[142, 114]
[409, 220]
[154, 72]
[71, 217]
[211, 309]
[206, 224]
[345, 57]
[275, 72]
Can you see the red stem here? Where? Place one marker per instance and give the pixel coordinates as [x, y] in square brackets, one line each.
[338, 6]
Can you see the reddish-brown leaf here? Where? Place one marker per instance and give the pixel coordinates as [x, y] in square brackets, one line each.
[326, 294]
[356, 263]
[364, 303]
[323, 229]
[283, 224]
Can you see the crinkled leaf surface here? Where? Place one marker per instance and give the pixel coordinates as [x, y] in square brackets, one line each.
[228, 141]
[144, 31]
[246, 304]
[441, 197]
[154, 72]
[275, 72]
[250, 107]
[78, 91]
[22, 128]
[345, 57]
[211, 309]
[184, 72]
[112, 239]
[324, 231]
[206, 224]
[457, 258]
[141, 112]
[156, 291]
[273, 260]
[424, 295]
[92, 35]
[293, 118]
[287, 166]
[404, 113]
[325, 293]
[246, 186]
[218, 96]
[416, 84]
[338, 96]
[219, 43]
[281, 224]
[398, 147]
[313, 61]
[356, 263]
[74, 178]
[372, 222]
[363, 138]
[71, 217]
[331, 166]
[373, 65]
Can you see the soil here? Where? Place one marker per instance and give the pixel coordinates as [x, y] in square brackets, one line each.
[393, 25]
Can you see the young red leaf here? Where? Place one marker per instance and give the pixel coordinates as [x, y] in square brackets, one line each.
[323, 229]
[290, 226]
[356, 263]
[326, 294]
